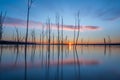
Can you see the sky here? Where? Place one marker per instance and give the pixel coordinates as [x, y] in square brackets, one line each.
[98, 18]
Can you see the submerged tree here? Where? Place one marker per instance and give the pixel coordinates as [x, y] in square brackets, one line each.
[49, 31]
[109, 40]
[2, 18]
[29, 4]
[74, 32]
[28, 13]
[42, 35]
[33, 36]
[104, 41]
[58, 27]
[19, 38]
[78, 27]
[62, 30]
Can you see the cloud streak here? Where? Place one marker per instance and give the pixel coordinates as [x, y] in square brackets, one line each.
[20, 23]
[14, 22]
[111, 14]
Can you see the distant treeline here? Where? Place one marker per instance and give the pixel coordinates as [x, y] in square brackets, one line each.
[13, 42]
[31, 43]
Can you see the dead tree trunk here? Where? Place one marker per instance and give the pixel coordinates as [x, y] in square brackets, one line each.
[33, 36]
[62, 31]
[29, 4]
[104, 41]
[57, 23]
[78, 28]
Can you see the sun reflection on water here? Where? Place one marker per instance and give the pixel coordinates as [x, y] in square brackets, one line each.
[70, 46]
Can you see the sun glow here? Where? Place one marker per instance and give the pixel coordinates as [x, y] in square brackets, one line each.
[70, 47]
[70, 43]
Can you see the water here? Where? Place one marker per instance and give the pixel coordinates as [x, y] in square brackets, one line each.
[59, 62]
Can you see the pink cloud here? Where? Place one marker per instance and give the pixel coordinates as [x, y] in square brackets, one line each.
[12, 22]
[15, 22]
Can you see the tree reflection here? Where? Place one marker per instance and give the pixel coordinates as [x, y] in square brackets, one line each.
[1, 51]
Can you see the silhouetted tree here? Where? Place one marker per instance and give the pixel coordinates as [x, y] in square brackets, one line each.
[74, 31]
[78, 15]
[66, 40]
[53, 38]
[33, 36]
[29, 4]
[49, 30]
[42, 34]
[58, 26]
[109, 40]
[40, 38]
[104, 41]
[62, 30]
[19, 38]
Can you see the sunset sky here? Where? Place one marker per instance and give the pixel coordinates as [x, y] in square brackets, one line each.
[98, 18]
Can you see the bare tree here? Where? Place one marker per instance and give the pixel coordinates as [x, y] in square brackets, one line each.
[74, 31]
[66, 40]
[109, 40]
[58, 26]
[42, 35]
[13, 37]
[19, 38]
[53, 38]
[2, 18]
[29, 4]
[33, 36]
[78, 26]
[40, 38]
[104, 41]
[49, 34]
[62, 30]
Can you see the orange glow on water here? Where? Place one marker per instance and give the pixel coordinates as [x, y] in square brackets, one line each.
[70, 46]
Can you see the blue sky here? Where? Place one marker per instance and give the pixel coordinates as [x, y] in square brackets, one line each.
[103, 14]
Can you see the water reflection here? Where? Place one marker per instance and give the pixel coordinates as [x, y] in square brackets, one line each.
[59, 62]
[17, 54]
[25, 69]
[1, 51]
[107, 51]
[104, 49]
[33, 52]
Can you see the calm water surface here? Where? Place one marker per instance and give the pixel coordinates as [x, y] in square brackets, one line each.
[43, 62]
